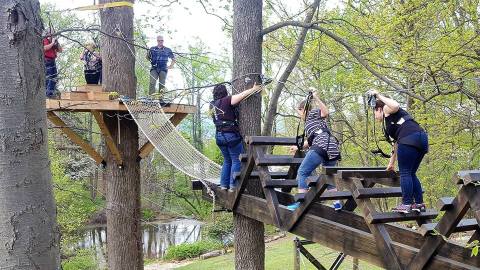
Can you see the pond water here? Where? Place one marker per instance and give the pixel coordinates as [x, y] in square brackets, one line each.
[157, 237]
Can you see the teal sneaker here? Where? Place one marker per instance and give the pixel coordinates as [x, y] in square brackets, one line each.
[293, 206]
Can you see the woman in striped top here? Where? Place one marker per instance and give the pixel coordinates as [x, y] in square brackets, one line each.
[323, 147]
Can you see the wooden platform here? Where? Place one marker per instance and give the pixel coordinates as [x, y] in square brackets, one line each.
[91, 98]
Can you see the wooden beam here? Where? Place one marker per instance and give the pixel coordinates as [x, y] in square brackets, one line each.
[267, 140]
[148, 147]
[57, 121]
[247, 169]
[112, 146]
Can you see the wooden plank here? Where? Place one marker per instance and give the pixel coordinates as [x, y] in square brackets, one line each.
[331, 170]
[148, 147]
[267, 140]
[77, 95]
[467, 177]
[445, 227]
[281, 184]
[106, 105]
[309, 198]
[377, 192]
[375, 218]
[278, 161]
[273, 175]
[111, 144]
[90, 87]
[445, 203]
[244, 157]
[464, 225]
[57, 121]
[345, 174]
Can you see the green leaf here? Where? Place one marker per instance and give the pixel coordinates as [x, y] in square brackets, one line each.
[474, 251]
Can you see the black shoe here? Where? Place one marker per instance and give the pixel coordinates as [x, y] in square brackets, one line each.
[419, 207]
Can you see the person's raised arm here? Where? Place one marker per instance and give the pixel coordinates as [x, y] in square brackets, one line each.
[241, 96]
[323, 108]
[47, 47]
[391, 106]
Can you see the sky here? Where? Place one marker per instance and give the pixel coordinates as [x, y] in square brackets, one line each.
[180, 25]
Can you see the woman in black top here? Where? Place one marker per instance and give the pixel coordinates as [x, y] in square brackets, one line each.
[410, 145]
[227, 135]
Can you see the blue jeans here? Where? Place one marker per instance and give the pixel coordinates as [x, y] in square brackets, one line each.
[409, 159]
[50, 77]
[311, 161]
[231, 146]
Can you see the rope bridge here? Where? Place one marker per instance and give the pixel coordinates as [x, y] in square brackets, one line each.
[156, 125]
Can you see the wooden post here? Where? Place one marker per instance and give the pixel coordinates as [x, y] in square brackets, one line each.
[296, 254]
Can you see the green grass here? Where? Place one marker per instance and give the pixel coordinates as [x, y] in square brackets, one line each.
[279, 255]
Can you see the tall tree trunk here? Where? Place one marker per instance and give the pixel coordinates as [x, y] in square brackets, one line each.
[124, 246]
[247, 58]
[272, 108]
[28, 230]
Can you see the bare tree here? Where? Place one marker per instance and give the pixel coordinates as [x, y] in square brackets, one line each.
[272, 108]
[124, 245]
[28, 230]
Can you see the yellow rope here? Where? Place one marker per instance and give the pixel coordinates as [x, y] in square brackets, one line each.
[106, 5]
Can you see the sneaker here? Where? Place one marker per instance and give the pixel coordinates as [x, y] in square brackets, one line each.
[402, 208]
[223, 188]
[419, 207]
[337, 205]
[293, 206]
[231, 189]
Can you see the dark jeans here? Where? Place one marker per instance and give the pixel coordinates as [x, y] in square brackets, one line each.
[92, 77]
[50, 77]
[231, 146]
[409, 159]
[311, 161]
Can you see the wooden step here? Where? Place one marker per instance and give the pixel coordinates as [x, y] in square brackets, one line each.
[362, 193]
[266, 140]
[464, 225]
[445, 203]
[467, 177]
[335, 195]
[244, 157]
[281, 184]
[273, 175]
[275, 160]
[331, 170]
[345, 174]
[388, 217]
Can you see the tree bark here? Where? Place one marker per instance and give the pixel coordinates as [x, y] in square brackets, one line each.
[29, 233]
[124, 245]
[272, 108]
[247, 58]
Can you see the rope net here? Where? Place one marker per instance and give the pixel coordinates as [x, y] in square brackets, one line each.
[168, 141]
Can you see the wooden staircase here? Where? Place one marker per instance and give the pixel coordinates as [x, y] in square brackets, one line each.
[368, 233]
